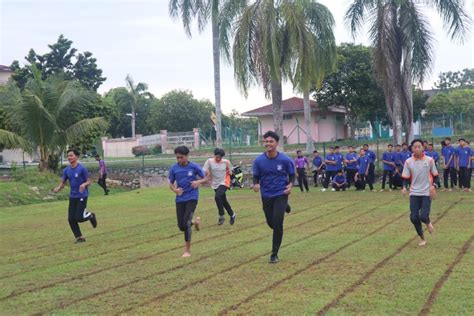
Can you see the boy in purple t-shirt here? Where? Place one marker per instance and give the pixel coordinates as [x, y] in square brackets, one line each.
[301, 162]
[102, 174]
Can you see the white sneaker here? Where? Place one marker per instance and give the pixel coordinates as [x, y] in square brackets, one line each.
[323, 190]
[333, 190]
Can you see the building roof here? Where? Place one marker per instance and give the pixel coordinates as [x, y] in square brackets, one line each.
[291, 105]
[5, 68]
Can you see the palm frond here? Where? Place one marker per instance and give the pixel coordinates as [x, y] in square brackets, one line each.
[356, 14]
[454, 17]
[82, 128]
[14, 141]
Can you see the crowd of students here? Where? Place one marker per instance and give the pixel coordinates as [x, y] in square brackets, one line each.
[342, 172]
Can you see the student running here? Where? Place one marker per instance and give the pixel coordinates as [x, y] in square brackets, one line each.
[218, 171]
[301, 162]
[102, 174]
[79, 181]
[183, 178]
[420, 170]
[273, 176]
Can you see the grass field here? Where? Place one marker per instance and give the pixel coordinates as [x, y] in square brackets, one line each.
[342, 253]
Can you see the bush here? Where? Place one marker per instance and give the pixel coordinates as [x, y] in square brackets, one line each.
[140, 151]
[156, 150]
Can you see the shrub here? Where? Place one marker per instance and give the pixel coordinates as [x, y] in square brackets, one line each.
[140, 151]
[156, 150]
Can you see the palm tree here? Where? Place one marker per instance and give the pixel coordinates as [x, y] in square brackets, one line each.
[403, 52]
[280, 40]
[42, 116]
[203, 10]
[315, 49]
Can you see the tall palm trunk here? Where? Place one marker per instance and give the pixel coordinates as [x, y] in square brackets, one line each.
[397, 114]
[307, 122]
[217, 79]
[277, 110]
[407, 79]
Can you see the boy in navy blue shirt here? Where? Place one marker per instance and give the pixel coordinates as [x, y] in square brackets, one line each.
[370, 178]
[363, 168]
[389, 164]
[433, 154]
[398, 155]
[79, 180]
[404, 155]
[183, 178]
[449, 170]
[351, 166]
[318, 166]
[339, 182]
[331, 168]
[273, 176]
[463, 161]
[339, 159]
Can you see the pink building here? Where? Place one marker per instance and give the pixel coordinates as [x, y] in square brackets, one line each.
[327, 125]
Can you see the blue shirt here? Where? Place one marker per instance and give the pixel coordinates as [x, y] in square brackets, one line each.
[464, 154]
[273, 173]
[339, 161]
[447, 152]
[404, 155]
[339, 179]
[398, 158]
[363, 163]
[351, 165]
[317, 162]
[433, 154]
[390, 157]
[369, 153]
[76, 177]
[183, 176]
[331, 167]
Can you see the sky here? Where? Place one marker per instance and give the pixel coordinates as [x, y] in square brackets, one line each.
[138, 37]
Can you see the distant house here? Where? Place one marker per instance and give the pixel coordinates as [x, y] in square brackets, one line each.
[5, 74]
[326, 125]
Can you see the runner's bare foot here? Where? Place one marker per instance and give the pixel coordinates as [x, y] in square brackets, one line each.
[186, 254]
[197, 223]
[430, 228]
[422, 243]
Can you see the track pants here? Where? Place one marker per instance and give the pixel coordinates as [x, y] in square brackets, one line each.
[390, 179]
[350, 174]
[329, 176]
[102, 182]
[302, 180]
[452, 174]
[420, 207]
[221, 201]
[370, 179]
[274, 209]
[343, 188]
[184, 213]
[77, 213]
[464, 177]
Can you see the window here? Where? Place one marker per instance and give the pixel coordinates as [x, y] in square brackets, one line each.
[287, 116]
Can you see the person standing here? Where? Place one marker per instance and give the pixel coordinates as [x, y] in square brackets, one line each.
[184, 182]
[463, 161]
[449, 171]
[398, 155]
[79, 181]
[404, 155]
[420, 170]
[318, 167]
[389, 164]
[218, 171]
[331, 168]
[372, 158]
[363, 168]
[102, 174]
[301, 162]
[430, 152]
[339, 159]
[351, 166]
[273, 176]
[472, 162]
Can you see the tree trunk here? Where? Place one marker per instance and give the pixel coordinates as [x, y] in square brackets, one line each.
[307, 122]
[217, 79]
[407, 82]
[43, 164]
[277, 110]
[397, 116]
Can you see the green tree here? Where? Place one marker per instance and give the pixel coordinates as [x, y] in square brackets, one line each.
[354, 87]
[203, 11]
[61, 59]
[179, 111]
[41, 115]
[463, 79]
[402, 45]
[281, 40]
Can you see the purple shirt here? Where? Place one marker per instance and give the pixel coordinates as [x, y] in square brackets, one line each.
[301, 162]
[102, 167]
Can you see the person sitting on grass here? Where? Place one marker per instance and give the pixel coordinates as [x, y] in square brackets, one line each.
[339, 182]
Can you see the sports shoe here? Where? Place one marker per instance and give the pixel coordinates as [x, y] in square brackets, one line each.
[221, 220]
[288, 208]
[107, 192]
[273, 258]
[381, 190]
[323, 190]
[333, 190]
[93, 220]
[80, 240]
[232, 219]
[197, 223]
[422, 243]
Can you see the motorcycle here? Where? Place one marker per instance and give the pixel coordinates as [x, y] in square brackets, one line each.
[237, 177]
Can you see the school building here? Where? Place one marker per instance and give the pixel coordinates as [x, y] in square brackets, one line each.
[326, 124]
